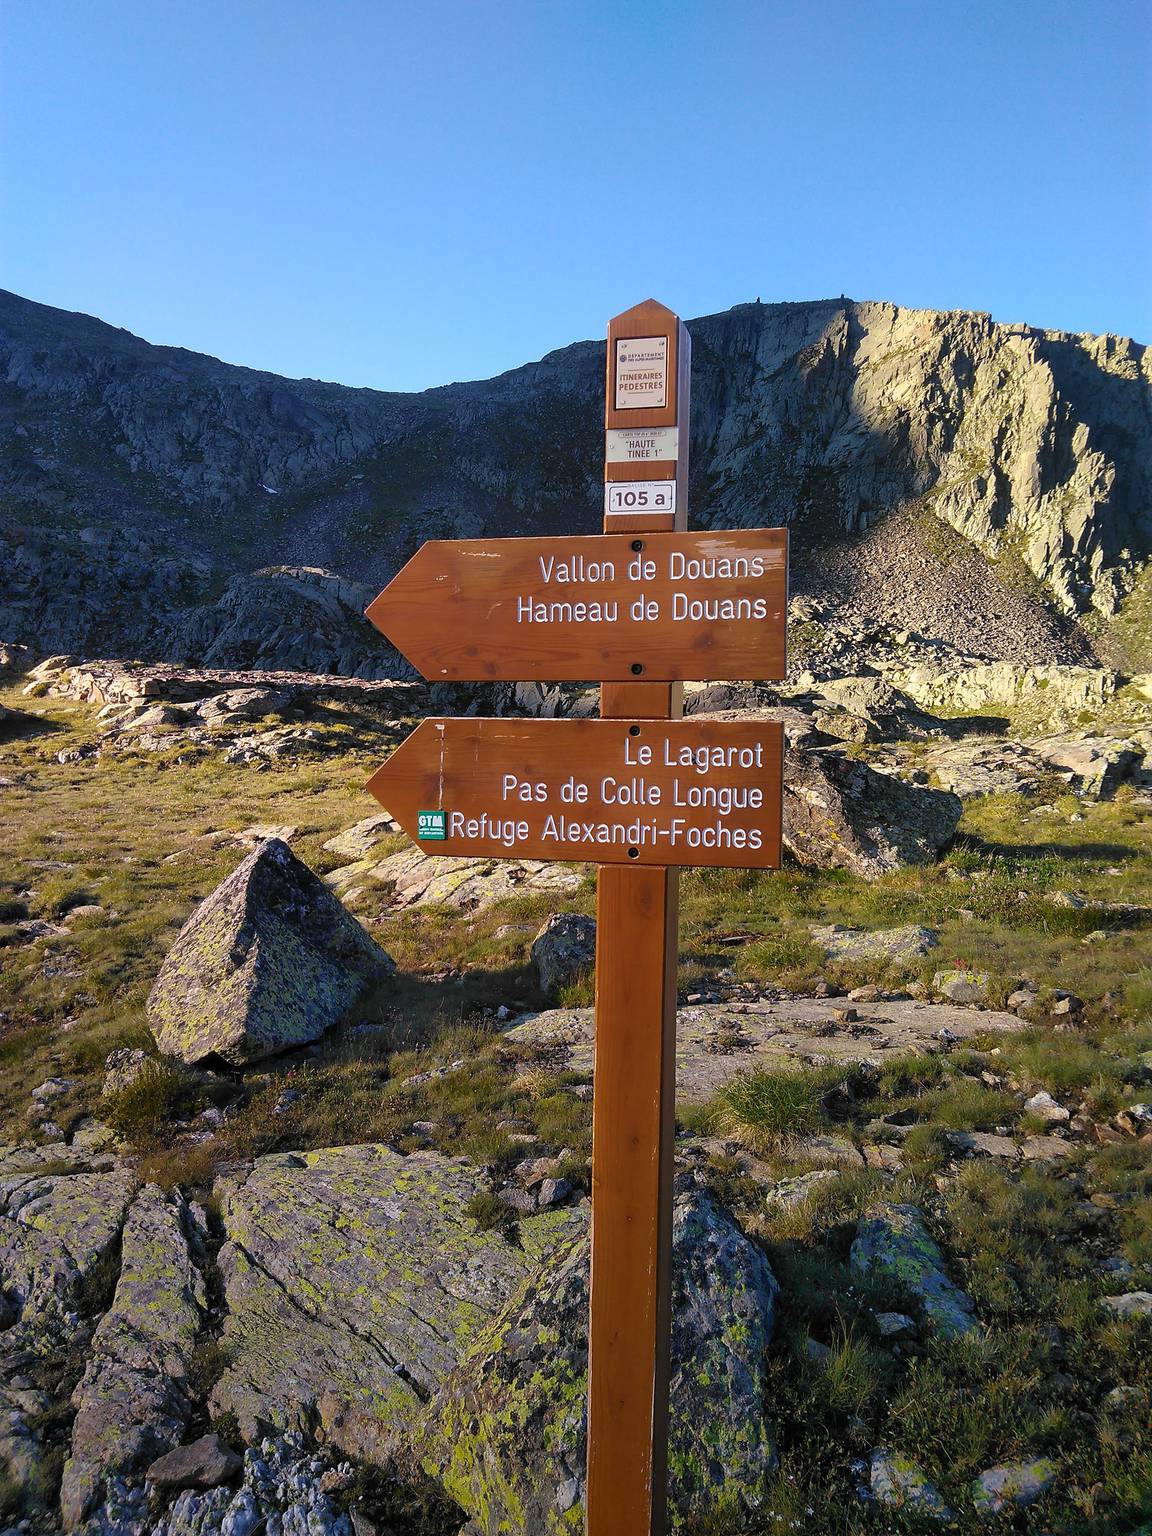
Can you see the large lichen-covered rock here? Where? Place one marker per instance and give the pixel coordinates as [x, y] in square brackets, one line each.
[841, 814]
[354, 1280]
[893, 1243]
[268, 961]
[133, 1400]
[507, 1434]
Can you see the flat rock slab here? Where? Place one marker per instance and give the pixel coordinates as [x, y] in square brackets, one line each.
[353, 1280]
[906, 943]
[418, 880]
[715, 1041]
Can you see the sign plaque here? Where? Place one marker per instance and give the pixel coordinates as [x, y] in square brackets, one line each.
[641, 372]
[692, 607]
[703, 792]
[640, 496]
[641, 445]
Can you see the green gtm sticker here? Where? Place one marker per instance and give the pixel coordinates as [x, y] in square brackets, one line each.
[431, 826]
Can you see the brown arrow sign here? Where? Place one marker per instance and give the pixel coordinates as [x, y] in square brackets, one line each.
[672, 792]
[671, 607]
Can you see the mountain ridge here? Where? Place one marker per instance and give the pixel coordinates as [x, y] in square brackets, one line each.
[1028, 446]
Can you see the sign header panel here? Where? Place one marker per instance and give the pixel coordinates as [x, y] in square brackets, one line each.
[641, 373]
[660, 607]
[664, 792]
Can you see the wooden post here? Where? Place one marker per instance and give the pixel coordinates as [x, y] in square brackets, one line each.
[648, 387]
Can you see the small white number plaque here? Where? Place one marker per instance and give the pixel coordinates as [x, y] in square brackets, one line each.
[639, 496]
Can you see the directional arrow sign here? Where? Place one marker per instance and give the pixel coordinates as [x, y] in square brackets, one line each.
[661, 606]
[667, 792]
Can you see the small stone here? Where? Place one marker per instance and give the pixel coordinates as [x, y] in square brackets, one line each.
[983, 1144]
[1022, 999]
[893, 1242]
[1131, 1304]
[895, 1325]
[834, 1150]
[898, 1482]
[567, 1494]
[1015, 1484]
[816, 1352]
[53, 1088]
[845, 1015]
[793, 1192]
[123, 1067]
[1135, 1120]
[1044, 1149]
[553, 1192]
[206, 1463]
[866, 994]
[962, 986]
[1045, 1107]
[1066, 1005]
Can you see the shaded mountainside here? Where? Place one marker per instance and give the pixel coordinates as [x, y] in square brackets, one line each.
[143, 486]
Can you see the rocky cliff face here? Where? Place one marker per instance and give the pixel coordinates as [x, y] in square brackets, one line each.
[140, 482]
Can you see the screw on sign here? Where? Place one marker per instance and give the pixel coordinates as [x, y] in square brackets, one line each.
[644, 607]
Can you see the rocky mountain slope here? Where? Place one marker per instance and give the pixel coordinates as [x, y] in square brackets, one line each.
[141, 486]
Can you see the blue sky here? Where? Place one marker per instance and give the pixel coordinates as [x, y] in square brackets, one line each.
[400, 195]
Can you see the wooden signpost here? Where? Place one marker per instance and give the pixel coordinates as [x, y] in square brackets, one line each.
[644, 607]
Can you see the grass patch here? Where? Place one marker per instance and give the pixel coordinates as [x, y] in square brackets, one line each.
[766, 1109]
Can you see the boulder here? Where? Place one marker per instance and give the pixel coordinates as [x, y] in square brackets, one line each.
[270, 960]
[840, 813]
[564, 950]
[133, 1399]
[893, 1243]
[507, 1433]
